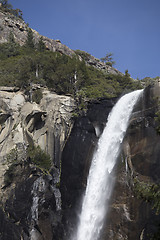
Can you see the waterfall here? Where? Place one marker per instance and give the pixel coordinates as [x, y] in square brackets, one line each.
[99, 182]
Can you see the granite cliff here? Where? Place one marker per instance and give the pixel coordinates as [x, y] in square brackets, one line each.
[130, 217]
[25, 187]
[36, 204]
[40, 203]
[9, 23]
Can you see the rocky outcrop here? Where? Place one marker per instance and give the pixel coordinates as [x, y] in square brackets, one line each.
[129, 217]
[33, 206]
[95, 62]
[46, 124]
[9, 23]
[32, 209]
[30, 200]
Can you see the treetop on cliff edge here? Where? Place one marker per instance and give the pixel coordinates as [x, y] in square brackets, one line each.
[108, 59]
[5, 6]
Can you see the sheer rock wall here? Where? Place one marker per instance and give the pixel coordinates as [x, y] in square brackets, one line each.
[129, 217]
[30, 200]
[33, 206]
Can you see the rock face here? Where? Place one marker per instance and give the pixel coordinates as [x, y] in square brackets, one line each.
[30, 201]
[9, 23]
[46, 124]
[129, 217]
[95, 62]
[30, 206]
[76, 160]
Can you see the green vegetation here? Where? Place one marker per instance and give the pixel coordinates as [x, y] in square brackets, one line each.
[157, 121]
[38, 157]
[84, 55]
[10, 174]
[7, 7]
[21, 66]
[30, 40]
[149, 192]
[37, 96]
[35, 155]
[31, 63]
[9, 49]
[148, 81]
[11, 171]
[108, 59]
[41, 45]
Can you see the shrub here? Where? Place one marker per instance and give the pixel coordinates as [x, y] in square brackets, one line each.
[26, 65]
[84, 55]
[7, 7]
[30, 39]
[149, 192]
[38, 157]
[157, 121]
[11, 171]
[37, 96]
[10, 174]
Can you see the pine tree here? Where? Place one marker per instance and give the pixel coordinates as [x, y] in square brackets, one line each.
[127, 75]
[108, 59]
[5, 5]
[30, 40]
[11, 38]
[41, 45]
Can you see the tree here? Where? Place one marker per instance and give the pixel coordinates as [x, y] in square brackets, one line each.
[5, 5]
[39, 157]
[10, 48]
[41, 45]
[127, 75]
[108, 59]
[11, 37]
[30, 40]
[17, 13]
[13, 47]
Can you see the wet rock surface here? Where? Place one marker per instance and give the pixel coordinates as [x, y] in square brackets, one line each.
[129, 217]
[34, 207]
[76, 160]
[30, 211]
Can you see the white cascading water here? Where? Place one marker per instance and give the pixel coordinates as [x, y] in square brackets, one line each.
[99, 182]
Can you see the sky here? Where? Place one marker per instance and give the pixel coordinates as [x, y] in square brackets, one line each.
[130, 29]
